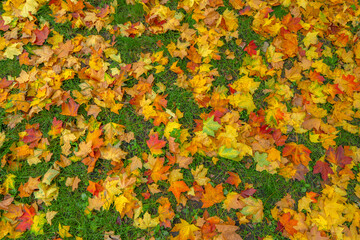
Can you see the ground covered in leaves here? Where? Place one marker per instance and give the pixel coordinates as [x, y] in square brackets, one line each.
[191, 119]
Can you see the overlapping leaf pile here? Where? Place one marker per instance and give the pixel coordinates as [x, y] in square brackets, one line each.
[290, 70]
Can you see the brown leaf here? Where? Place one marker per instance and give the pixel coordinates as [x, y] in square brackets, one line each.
[323, 168]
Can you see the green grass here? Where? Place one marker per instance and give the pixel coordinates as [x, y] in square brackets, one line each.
[71, 205]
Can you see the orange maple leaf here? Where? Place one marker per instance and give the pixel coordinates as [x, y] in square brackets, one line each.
[177, 188]
[70, 108]
[298, 152]
[288, 223]
[233, 179]
[159, 171]
[212, 195]
[95, 188]
[155, 144]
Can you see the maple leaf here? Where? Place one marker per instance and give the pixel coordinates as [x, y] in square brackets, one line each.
[237, 4]
[165, 212]
[146, 222]
[9, 182]
[50, 175]
[177, 188]
[253, 207]
[155, 144]
[159, 171]
[72, 182]
[310, 38]
[5, 203]
[56, 127]
[26, 220]
[242, 101]
[3, 26]
[210, 126]
[212, 195]
[233, 179]
[186, 230]
[229, 153]
[120, 203]
[248, 192]
[47, 193]
[95, 188]
[316, 234]
[298, 152]
[84, 149]
[70, 108]
[30, 186]
[33, 136]
[338, 157]
[90, 162]
[113, 154]
[41, 35]
[251, 48]
[304, 202]
[13, 50]
[49, 216]
[323, 168]
[200, 175]
[38, 223]
[288, 224]
[228, 231]
[64, 231]
[233, 200]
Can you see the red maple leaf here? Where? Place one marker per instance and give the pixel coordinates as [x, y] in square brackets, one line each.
[26, 220]
[56, 127]
[342, 160]
[338, 157]
[41, 35]
[251, 48]
[33, 136]
[323, 168]
[248, 192]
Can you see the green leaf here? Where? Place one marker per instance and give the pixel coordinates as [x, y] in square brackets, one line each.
[228, 153]
[210, 126]
[261, 159]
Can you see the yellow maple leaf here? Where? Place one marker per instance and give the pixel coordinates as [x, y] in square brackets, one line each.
[200, 175]
[311, 38]
[170, 127]
[244, 101]
[120, 203]
[38, 223]
[13, 50]
[186, 230]
[50, 215]
[47, 193]
[146, 222]
[64, 231]
[231, 20]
